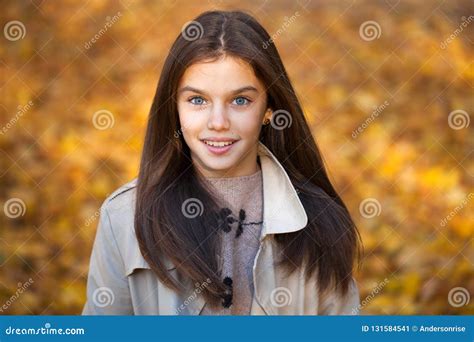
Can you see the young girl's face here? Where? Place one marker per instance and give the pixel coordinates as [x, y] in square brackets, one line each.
[222, 106]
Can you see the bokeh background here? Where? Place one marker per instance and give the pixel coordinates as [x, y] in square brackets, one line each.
[387, 87]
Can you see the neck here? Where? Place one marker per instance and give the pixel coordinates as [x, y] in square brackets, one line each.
[234, 172]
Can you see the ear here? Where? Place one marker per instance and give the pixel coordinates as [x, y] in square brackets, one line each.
[268, 116]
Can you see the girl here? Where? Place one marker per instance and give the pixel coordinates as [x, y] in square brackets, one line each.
[232, 211]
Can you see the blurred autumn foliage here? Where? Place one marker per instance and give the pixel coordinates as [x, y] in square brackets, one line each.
[379, 108]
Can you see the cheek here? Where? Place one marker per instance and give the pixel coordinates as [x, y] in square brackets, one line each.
[248, 126]
[191, 122]
[250, 130]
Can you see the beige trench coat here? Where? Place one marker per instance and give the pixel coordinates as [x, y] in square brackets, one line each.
[120, 281]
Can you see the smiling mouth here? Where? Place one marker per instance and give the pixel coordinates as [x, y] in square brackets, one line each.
[219, 143]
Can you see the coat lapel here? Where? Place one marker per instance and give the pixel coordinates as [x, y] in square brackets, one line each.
[283, 212]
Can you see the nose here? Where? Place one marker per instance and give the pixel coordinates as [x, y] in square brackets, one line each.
[218, 119]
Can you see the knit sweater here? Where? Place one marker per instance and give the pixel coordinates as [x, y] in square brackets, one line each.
[242, 212]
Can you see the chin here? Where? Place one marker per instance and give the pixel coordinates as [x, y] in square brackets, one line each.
[219, 163]
[218, 166]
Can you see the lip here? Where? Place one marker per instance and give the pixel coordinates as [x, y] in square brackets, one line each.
[219, 150]
[217, 139]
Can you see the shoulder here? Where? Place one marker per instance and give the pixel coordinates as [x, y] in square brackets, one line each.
[122, 197]
[116, 233]
[118, 209]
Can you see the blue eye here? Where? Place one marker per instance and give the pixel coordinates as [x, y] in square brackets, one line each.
[241, 101]
[197, 100]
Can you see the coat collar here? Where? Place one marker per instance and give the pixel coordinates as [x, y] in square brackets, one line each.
[283, 211]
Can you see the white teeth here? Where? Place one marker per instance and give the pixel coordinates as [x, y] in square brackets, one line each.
[218, 143]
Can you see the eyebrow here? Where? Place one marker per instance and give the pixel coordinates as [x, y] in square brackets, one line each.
[236, 91]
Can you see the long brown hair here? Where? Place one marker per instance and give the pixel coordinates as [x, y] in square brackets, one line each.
[327, 246]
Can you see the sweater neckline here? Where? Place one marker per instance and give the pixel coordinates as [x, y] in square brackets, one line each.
[235, 179]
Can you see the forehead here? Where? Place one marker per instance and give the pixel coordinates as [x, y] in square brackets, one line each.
[220, 76]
